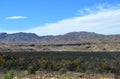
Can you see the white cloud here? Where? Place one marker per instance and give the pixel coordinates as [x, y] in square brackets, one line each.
[16, 17]
[104, 21]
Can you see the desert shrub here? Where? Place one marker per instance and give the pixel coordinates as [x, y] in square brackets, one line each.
[31, 70]
[63, 70]
[10, 75]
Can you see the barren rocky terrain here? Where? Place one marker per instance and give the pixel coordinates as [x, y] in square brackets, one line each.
[73, 41]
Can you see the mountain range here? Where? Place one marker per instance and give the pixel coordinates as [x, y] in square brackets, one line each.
[73, 41]
[69, 37]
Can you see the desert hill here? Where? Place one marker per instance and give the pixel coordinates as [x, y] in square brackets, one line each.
[73, 41]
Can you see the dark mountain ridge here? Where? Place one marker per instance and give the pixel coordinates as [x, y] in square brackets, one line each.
[18, 37]
[66, 38]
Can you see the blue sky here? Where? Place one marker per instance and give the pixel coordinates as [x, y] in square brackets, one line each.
[54, 17]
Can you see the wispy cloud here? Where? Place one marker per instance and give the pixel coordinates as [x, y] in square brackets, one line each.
[102, 20]
[99, 8]
[16, 17]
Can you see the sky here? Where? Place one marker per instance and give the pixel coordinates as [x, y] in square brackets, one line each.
[57, 17]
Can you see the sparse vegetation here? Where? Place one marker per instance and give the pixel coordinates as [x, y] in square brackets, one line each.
[62, 62]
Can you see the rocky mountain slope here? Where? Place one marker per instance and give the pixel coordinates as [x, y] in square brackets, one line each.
[18, 37]
[73, 41]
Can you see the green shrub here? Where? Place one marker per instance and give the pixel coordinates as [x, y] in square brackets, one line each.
[31, 70]
[9, 75]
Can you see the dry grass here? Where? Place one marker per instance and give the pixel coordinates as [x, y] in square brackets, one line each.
[62, 76]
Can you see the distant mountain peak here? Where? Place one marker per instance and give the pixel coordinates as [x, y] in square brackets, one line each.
[18, 37]
[81, 33]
